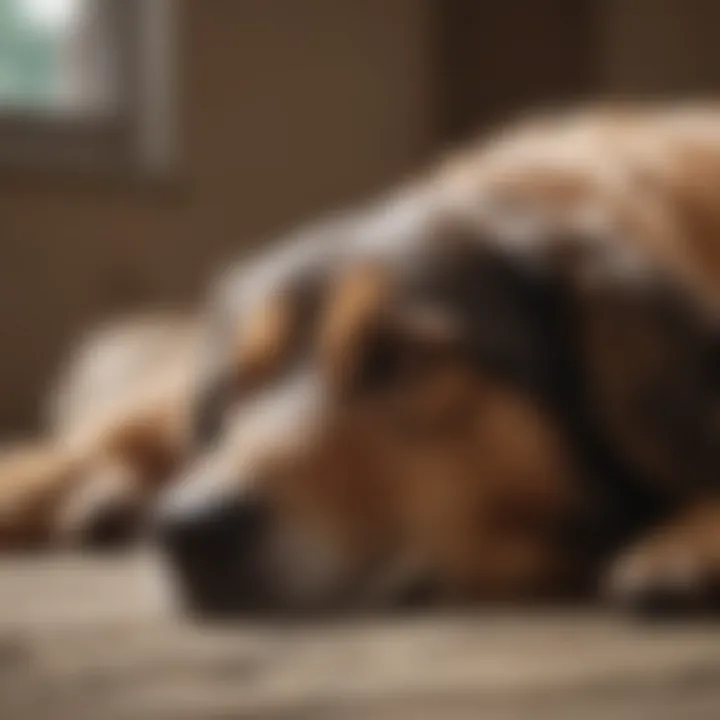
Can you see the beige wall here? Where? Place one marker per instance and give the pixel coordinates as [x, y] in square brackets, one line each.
[289, 107]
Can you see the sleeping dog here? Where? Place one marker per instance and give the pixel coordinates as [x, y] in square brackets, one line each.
[497, 383]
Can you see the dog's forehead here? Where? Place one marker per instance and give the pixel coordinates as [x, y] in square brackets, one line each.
[303, 254]
[321, 286]
[391, 232]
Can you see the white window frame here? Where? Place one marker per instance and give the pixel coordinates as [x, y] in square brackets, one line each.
[140, 134]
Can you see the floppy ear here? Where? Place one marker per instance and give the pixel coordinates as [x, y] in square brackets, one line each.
[644, 337]
[649, 354]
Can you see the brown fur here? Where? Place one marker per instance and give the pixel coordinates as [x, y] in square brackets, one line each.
[650, 181]
[621, 211]
[475, 475]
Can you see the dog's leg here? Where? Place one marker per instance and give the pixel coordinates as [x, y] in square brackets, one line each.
[676, 568]
[33, 479]
[86, 487]
[106, 507]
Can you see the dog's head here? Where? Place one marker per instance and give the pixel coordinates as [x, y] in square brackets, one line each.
[368, 443]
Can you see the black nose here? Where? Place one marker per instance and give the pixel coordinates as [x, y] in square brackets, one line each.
[214, 553]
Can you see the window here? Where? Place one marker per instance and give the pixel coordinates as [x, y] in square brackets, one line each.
[86, 84]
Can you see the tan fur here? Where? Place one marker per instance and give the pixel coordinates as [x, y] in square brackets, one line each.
[34, 481]
[652, 174]
[123, 401]
[461, 469]
[355, 304]
[263, 345]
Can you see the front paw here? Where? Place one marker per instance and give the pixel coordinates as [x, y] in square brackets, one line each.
[678, 577]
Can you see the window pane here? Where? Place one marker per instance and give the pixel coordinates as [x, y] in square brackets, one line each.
[55, 56]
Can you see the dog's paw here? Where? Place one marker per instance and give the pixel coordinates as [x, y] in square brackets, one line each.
[103, 512]
[666, 577]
